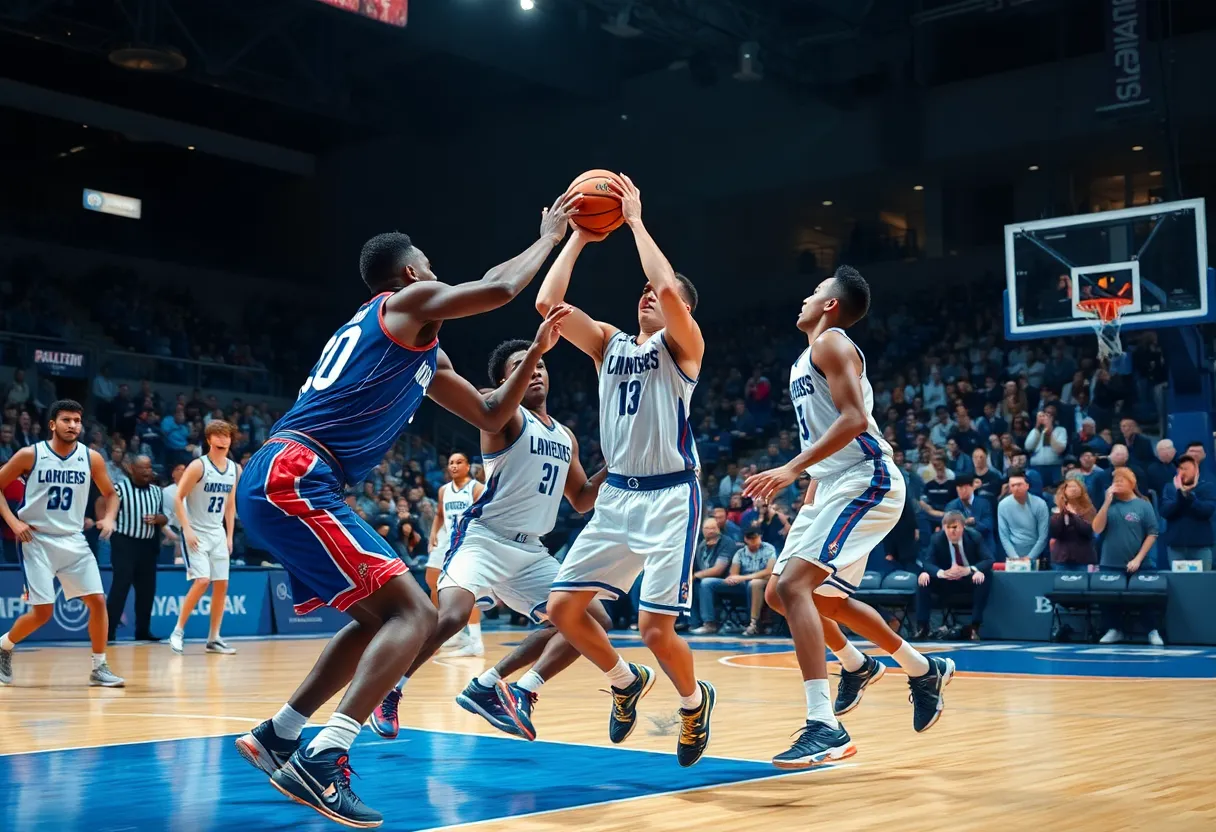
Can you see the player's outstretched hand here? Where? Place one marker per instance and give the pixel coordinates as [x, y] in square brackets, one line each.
[631, 198]
[105, 528]
[555, 218]
[766, 484]
[550, 331]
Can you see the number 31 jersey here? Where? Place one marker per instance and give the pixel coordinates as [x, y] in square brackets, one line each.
[362, 392]
[57, 491]
[525, 481]
[645, 401]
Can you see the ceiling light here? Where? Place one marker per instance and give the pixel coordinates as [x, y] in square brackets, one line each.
[189, 147]
[918, 187]
[827, 203]
[819, 228]
[76, 149]
[1033, 167]
[1154, 173]
[1137, 147]
[527, 5]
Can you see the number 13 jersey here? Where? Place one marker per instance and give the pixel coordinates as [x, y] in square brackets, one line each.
[645, 400]
[362, 392]
[57, 491]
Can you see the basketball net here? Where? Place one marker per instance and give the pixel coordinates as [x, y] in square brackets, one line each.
[1106, 319]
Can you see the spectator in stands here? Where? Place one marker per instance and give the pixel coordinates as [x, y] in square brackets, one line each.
[750, 568]
[990, 422]
[1087, 437]
[1096, 480]
[1046, 444]
[1187, 504]
[8, 445]
[1119, 459]
[725, 526]
[958, 561]
[711, 560]
[975, 510]
[18, 392]
[1022, 520]
[1071, 528]
[104, 391]
[175, 434]
[939, 491]
[1128, 526]
[992, 481]
[1139, 448]
[1197, 452]
[27, 430]
[939, 432]
[1162, 469]
[964, 432]
[773, 523]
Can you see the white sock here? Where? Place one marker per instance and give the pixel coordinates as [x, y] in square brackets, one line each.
[490, 678]
[851, 659]
[622, 675]
[288, 723]
[819, 701]
[475, 633]
[531, 681]
[691, 703]
[913, 663]
[339, 732]
[5, 643]
[178, 631]
[401, 684]
[98, 660]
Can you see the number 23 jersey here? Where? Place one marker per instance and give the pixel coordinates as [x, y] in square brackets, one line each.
[645, 401]
[362, 392]
[57, 491]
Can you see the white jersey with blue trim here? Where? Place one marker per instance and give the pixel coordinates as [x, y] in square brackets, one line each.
[525, 481]
[816, 412]
[645, 402]
[205, 502]
[455, 502]
[57, 491]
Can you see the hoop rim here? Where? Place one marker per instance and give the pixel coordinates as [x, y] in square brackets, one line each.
[1106, 309]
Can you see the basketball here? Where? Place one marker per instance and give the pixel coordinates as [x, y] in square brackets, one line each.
[601, 210]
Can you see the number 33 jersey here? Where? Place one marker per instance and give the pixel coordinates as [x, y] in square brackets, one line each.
[645, 402]
[362, 392]
[57, 491]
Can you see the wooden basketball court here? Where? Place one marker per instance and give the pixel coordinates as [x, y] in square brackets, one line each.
[1069, 737]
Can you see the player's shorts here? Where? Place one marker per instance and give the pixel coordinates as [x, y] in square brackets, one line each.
[290, 502]
[211, 558]
[518, 571]
[640, 524]
[437, 555]
[853, 512]
[66, 557]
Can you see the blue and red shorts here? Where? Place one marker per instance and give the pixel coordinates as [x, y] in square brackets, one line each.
[290, 503]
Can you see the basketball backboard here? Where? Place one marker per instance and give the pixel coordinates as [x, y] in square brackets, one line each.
[1153, 258]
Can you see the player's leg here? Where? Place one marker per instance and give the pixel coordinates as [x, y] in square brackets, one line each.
[39, 577]
[99, 628]
[434, 570]
[29, 621]
[219, 597]
[756, 606]
[198, 588]
[80, 577]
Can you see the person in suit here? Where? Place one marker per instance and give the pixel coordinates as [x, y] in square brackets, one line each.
[959, 561]
[977, 512]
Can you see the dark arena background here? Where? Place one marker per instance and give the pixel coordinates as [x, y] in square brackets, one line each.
[1027, 186]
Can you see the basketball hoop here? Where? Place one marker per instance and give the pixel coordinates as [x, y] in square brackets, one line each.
[1106, 316]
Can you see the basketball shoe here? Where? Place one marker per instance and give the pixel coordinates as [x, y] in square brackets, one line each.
[384, 718]
[322, 782]
[694, 727]
[518, 704]
[103, 677]
[484, 701]
[624, 715]
[817, 743]
[262, 748]
[220, 646]
[926, 693]
[6, 667]
[854, 683]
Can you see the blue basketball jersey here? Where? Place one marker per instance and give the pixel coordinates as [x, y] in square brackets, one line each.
[362, 392]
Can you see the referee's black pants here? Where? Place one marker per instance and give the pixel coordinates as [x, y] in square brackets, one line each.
[134, 563]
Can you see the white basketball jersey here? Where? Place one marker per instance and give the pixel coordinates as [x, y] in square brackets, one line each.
[455, 502]
[526, 480]
[57, 491]
[644, 406]
[816, 412]
[205, 502]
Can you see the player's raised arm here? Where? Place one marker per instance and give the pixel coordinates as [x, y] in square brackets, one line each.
[492, 411]
[101, 479]
[837, 357]
[580, 490]
[580, 329]
[683, 333]
[19, 465]
[430, 300]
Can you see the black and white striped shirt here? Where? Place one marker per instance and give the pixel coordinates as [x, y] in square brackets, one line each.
[133, 504]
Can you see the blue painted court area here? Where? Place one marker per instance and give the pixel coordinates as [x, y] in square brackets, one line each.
[422, 780]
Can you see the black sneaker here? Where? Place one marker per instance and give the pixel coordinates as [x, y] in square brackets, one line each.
[925, 693]
[694, 727]
[817, 743]
[854, 683]
[6, 667]
[322, 782]
[384, 718]
[484, 701]
[264, 749]
[625, 703]
[518, 703]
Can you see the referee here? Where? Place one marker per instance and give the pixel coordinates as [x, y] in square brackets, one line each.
[135, 546]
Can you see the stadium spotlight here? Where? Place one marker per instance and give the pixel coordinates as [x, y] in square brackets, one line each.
[827, 203]
[1033, 167]
[1154, 173]
[918, 187]
[1136, 148]
[527, 5]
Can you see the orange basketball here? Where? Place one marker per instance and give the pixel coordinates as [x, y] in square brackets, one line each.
[601, 210]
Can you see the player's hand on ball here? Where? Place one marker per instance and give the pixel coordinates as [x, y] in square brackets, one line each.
[105, 527]
[551, 328]
[631, 198]
[766, 484]
[585, 236]
[23, 532]
[555, 219]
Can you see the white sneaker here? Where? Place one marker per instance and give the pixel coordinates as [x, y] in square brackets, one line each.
[1112, 637]
[1155, 639]
[220, 646]
[457, 642]
[470, 650]
[175, 641]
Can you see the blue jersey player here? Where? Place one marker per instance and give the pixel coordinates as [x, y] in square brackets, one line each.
[367, 385]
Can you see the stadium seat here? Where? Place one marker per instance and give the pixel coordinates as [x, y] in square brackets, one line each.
[897, 591]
